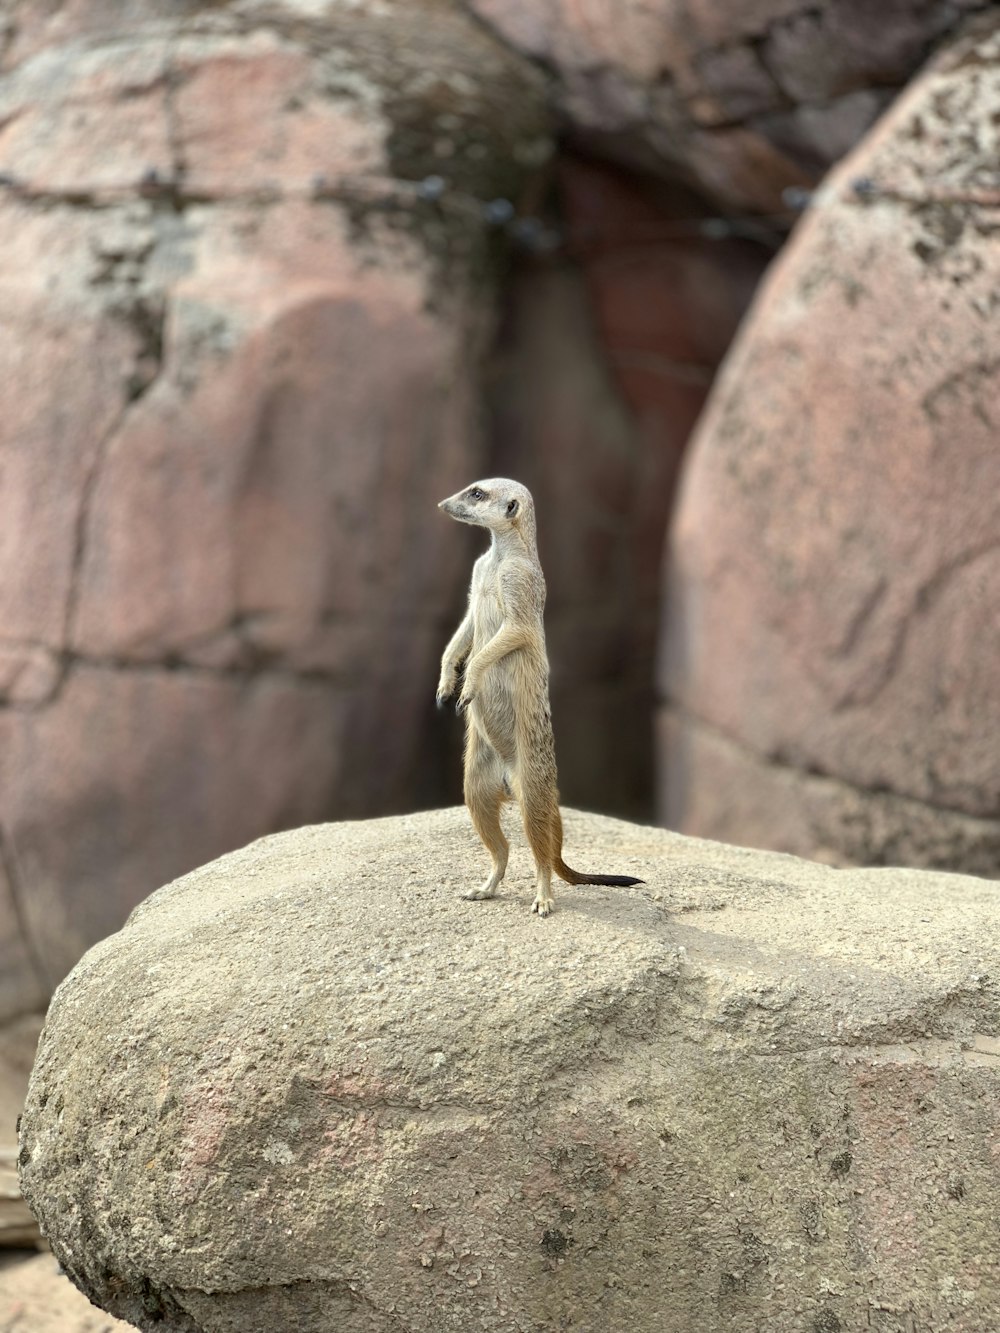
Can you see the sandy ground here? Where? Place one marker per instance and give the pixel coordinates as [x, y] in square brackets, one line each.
[18, 1039]
[36, 1298]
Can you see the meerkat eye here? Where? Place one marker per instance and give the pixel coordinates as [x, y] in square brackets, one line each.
[477, 494]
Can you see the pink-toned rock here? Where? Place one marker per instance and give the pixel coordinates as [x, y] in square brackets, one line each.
[68, 353]
[28, 675]
[262, 115]
[22, 984]
[667, 300]
[607, 353]
[27, 28]
[745, 99]
[246, 353]
[63, 110]
[560, 424]
[835, 568]
[273, 351]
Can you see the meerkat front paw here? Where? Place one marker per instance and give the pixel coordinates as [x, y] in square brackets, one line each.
[543, 906]
[446, 688]
[478, 895]
[464, 700]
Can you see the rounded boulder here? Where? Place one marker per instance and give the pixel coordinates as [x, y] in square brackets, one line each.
[309, 1086]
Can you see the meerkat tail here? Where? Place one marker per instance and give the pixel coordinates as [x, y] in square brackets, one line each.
[578, 877]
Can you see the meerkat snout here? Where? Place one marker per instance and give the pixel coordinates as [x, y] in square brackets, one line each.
[496, 504]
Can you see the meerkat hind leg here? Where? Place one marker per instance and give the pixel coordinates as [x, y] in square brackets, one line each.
[484, 795]
[544, 902]
[536, 811]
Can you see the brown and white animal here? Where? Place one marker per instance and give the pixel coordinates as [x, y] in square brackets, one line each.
[509, 749]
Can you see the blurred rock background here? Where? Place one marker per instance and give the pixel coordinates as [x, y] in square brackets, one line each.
[276, 275]
[830, 676]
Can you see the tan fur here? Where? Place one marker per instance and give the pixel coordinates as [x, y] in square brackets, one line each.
[509, 750]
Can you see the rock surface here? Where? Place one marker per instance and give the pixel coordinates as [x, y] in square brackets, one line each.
[744, 97]
[240, 327]
[308, 1086]
[835, 563]
[246, 352]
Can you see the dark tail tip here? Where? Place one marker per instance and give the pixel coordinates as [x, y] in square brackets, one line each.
[612, 881]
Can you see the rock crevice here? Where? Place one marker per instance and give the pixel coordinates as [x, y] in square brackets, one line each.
[716, 782]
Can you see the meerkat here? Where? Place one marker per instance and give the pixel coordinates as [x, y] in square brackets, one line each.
[499, 651]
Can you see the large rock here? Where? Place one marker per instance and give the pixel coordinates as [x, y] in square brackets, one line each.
[310, 1087]
[246, 351]
[743, 97]
[835, 563]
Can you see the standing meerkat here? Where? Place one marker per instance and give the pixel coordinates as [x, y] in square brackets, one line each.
[509, 749]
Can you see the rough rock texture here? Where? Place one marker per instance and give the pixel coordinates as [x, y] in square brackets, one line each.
[745, 97]
[245, 352]
[310, 1087]
[832, 631]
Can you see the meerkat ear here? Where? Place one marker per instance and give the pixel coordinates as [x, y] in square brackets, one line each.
[512, 508]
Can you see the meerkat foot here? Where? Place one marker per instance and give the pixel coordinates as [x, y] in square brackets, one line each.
[478, 895]
[543, 906]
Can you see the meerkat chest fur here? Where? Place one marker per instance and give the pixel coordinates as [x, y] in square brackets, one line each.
[484, 601]
[509, 694]
[496, 601]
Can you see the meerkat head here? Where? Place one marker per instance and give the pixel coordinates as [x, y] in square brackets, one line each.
[496, 504]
